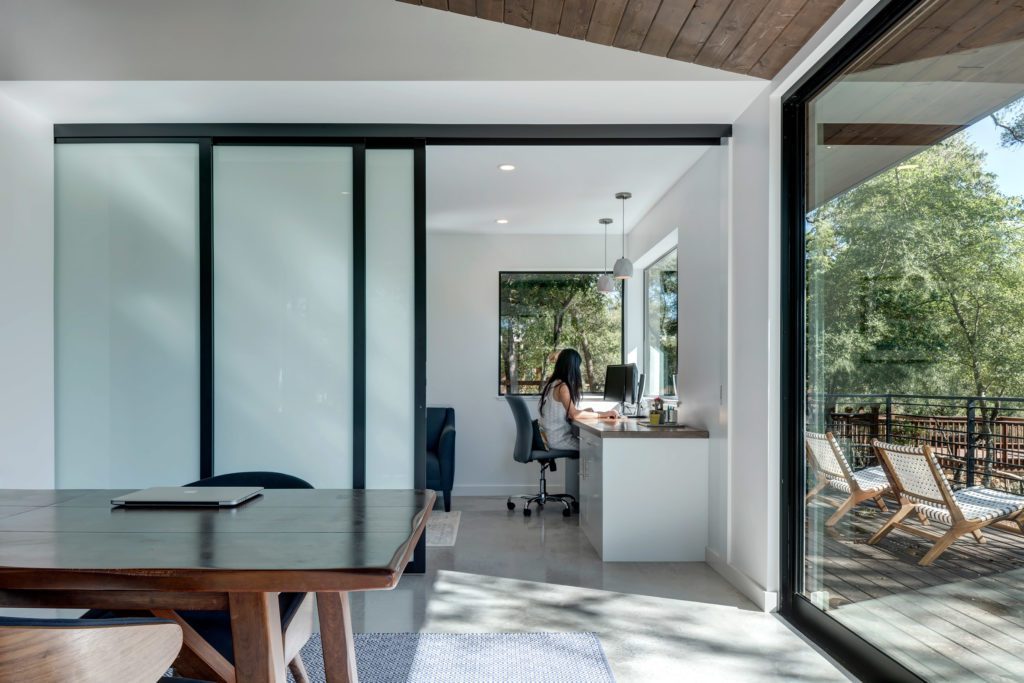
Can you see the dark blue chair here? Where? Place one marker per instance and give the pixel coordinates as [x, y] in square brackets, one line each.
[441, 452]
[215, 626]
[121, 649]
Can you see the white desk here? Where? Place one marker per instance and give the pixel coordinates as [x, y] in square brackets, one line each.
[643, 491]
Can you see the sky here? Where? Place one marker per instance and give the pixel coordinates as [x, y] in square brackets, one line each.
[1007, 164]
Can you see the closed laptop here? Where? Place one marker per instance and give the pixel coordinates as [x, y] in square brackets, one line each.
[186, 496]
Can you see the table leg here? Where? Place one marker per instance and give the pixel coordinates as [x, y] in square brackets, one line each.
[336, 636]
[256, 635]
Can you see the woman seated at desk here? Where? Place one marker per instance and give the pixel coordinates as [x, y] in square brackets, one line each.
[559, 401]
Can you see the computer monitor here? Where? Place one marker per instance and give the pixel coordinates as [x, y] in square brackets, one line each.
[620, 383]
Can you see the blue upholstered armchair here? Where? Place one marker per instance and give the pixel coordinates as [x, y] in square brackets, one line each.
[441, 452]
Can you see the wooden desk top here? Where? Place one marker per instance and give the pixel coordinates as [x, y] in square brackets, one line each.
[628, 428]
[285, 540]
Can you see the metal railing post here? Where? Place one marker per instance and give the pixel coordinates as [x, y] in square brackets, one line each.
[970, 442]
[888, 418]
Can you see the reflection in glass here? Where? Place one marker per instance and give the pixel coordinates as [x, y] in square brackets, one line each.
[915, 305]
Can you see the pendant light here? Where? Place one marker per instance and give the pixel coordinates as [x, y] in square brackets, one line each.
[623, 267]
[605, 283]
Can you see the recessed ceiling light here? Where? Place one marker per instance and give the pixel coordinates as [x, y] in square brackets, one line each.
[507, 167]
[502, 221]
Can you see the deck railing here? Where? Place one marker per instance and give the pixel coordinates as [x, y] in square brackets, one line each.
[977, 439]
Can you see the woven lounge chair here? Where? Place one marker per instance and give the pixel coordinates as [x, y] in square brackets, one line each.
[921, 486]
[832, 471]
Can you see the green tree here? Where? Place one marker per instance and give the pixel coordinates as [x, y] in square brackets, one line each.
[542, 313]
[916, 281]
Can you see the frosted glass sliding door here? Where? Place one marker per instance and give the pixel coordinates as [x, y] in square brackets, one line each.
[126, 314]
[283, 324]
[390, 411]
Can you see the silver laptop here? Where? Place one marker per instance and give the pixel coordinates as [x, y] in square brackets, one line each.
[183, 496]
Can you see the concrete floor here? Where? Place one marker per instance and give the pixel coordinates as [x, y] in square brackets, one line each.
[656, 621]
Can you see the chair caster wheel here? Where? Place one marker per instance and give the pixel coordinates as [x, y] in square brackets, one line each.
[566, 512]
[575, 506]
[527, 512]
[510, 505]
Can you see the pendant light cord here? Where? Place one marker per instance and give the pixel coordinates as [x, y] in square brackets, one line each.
[623, 227]
[605, 247]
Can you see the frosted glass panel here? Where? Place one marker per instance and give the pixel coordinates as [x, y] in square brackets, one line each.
[390, 319]
[126, 314]
[283, 311]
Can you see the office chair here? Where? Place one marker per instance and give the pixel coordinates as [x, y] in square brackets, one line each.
[88, 651]
[530, 448]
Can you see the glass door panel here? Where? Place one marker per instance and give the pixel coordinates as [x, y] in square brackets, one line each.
[914, 365]
[283, 324]
[126, 314]
[390, 409]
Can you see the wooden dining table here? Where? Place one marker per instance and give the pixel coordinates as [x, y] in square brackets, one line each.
[73, 549]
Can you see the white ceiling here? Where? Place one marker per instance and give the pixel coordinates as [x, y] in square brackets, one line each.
[299, 40]
[554, 190]
[521, 102]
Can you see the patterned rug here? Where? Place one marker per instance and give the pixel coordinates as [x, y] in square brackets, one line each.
[443, 529]
[471, 658]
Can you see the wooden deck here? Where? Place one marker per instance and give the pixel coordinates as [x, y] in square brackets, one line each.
[961, 619]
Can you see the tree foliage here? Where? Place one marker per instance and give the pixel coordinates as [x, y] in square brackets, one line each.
[916, 281]
[542, 313]
[1010, 122]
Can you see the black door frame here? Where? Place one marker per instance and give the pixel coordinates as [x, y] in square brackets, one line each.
[361, 137]
[860, 657]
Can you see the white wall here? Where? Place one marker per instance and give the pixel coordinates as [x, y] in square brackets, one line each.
[462, 346]
[751, 552]
[692, 213]
[26, 298]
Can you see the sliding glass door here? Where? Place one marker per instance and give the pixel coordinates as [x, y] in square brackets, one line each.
[283, 320]
[905, 403]
[126, 314]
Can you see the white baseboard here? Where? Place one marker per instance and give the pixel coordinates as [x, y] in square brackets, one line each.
[503, 490]
[766, 601]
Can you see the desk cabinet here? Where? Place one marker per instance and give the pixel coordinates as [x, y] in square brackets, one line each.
[644, 499]
[591, 486]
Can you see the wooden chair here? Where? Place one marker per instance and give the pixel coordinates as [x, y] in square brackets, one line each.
[920, 485]
[87, 651]
[832, 470]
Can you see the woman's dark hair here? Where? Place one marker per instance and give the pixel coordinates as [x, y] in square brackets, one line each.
[567, 370]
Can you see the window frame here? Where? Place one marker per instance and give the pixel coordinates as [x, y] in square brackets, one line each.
[622, 320]
[860, 657]
[645, 329]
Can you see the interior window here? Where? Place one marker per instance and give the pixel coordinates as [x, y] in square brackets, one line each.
[542, 313]
[661, 325]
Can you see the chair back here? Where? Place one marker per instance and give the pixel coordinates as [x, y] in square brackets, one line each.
[523, 449]
[267, 480]
[914, 473]
[826, 456]
[437, 420]
[85, 651]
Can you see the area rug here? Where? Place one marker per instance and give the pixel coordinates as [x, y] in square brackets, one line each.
[443, 529]
[471, 658]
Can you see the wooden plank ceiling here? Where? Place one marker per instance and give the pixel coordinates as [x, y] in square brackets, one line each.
[752, 37]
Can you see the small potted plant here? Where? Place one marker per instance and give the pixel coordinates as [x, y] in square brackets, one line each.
[657, 410]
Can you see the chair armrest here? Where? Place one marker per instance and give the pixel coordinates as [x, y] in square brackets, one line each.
[446, 457]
